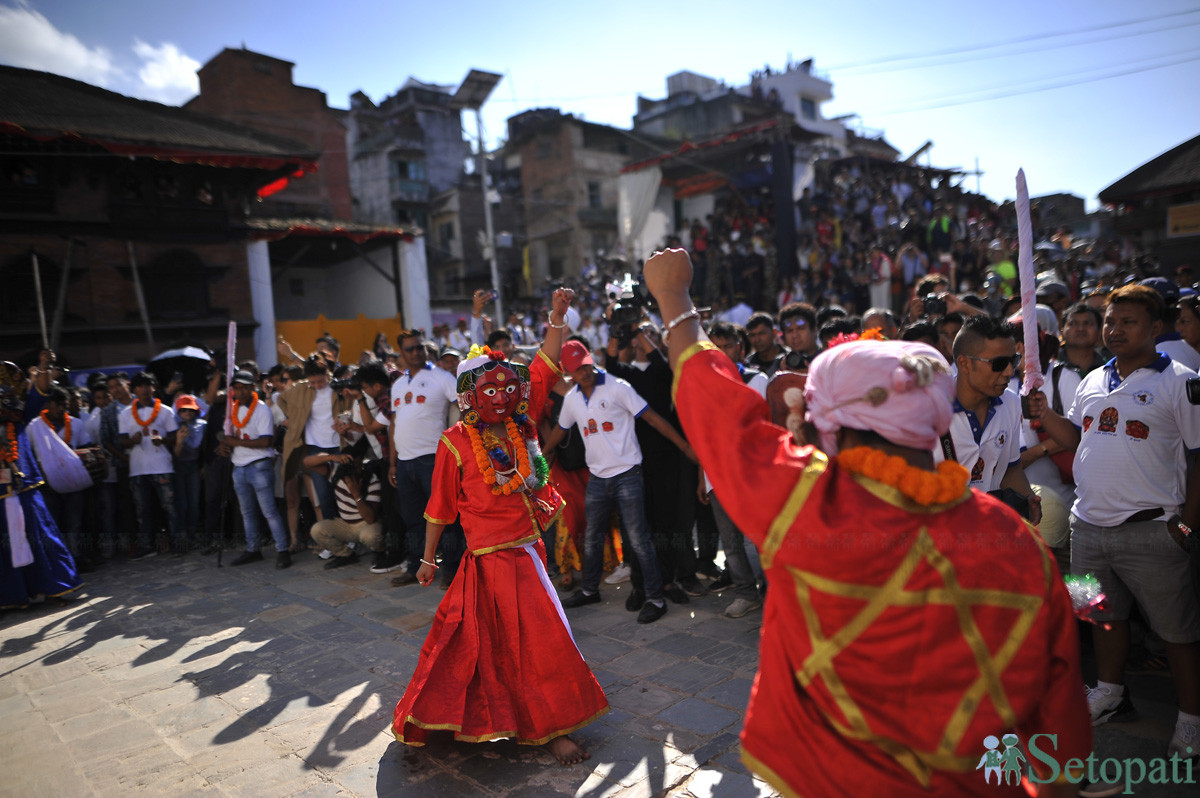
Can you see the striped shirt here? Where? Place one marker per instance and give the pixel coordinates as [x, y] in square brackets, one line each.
[348, 508]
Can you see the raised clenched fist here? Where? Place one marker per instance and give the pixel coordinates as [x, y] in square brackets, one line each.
[668, 274]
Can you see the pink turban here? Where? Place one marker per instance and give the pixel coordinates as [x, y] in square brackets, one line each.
[900, 389]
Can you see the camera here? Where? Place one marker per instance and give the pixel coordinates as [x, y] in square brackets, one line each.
[795, 361]
[1192, 388]
[934, 305]
[631, 299]
[350, 382]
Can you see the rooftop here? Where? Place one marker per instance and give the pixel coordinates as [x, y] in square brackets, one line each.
[46, 107]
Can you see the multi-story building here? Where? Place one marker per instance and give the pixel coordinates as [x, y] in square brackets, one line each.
[257, 91]
[137, 216]
[403, 151]
[569, 181]
[458, 249]
[330, 273]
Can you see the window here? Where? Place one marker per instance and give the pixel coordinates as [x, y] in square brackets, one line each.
[808, 108]
[593, 194]
[446, 234]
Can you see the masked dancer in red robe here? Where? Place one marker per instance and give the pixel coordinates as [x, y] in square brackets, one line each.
[909, 619]
[499, 661]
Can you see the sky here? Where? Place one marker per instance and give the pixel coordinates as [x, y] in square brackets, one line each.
[1076, 93]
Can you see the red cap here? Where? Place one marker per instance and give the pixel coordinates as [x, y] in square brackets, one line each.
[575, 355]
[187, 402]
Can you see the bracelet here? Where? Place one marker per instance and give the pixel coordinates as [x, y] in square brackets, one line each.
[550, 322]
[430, 564]
[682, 317]
[1045, 450]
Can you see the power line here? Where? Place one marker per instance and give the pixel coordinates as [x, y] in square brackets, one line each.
[1001, 94]
[1016, 40]
[1031, 49]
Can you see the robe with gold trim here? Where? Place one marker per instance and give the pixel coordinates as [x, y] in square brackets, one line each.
[499, 660]
[896, 638]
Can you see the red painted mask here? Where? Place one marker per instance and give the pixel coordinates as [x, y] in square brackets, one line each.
[497, 393]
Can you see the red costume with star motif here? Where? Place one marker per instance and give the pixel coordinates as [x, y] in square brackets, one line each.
[499, 660]
[896, 636]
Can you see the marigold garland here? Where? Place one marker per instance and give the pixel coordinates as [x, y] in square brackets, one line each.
[146, 424]
[522, 471]
[12, 451]
[923, 487]
[233, 418]
[66, 424]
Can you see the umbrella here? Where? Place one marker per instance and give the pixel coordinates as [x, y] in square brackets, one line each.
[190, 361]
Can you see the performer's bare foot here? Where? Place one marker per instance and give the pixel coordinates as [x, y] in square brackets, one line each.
[567, 751]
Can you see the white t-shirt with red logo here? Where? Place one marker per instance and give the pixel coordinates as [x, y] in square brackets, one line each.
[260, 425]
[606, 421]
[146, 458]
[420, 403]
[1134, 437]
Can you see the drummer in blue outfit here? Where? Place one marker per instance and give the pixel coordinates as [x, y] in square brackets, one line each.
[34, 563]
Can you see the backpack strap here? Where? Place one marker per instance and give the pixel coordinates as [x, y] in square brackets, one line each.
[1056, 405]
[948, 450]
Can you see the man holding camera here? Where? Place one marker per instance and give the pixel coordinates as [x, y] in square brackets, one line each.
[1132, 425]
[358, 496]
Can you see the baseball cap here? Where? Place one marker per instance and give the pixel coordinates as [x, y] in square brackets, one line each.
[575, 355]
[187, 402]
[242, 377]
[1167, 289]
[1053, 288]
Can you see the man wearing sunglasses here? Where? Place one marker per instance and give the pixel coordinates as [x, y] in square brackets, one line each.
[421, 399]
[985, 433]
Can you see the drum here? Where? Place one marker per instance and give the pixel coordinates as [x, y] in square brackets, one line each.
[61, 466]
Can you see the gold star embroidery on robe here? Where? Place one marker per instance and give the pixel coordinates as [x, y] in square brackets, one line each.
[892, 593]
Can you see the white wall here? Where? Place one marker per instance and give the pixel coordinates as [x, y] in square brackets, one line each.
[341, 291]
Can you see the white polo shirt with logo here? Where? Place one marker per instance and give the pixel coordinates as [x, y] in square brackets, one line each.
[146, 458]
[419, 405]
[986, 449]
[606, 421]
[260, 425]
[1134, 434]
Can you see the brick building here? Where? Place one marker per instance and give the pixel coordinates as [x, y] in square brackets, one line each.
[113, 194]
[257, 91]
[569, 175]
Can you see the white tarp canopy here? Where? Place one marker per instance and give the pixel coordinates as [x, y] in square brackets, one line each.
[636, 193]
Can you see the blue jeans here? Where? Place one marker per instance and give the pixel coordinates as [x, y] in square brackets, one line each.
[414, 484]
[187, 495]
[737, 560]
[324, 489]
[145, 487]
[255, 488]
[628, 494]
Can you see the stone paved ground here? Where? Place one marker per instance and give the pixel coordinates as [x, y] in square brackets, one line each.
[174, 677]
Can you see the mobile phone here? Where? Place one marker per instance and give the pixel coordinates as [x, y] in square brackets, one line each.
[344, 417]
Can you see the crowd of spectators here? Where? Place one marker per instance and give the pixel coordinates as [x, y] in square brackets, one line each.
[338, 457]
